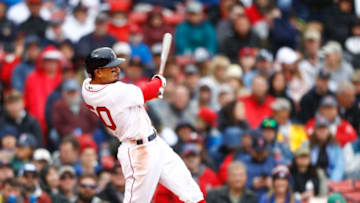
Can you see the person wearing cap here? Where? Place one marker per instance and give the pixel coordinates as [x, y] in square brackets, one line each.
[312, 62]
[47, 74]
[70, 115]
[195, 31]
[67, 183]
[8, 137]
[288, 59]
[29, 178]
[98, 38]
[16, 116]
[184, 130]
[339, 69]
[259, 164]
[203, 60]
[349, 109]
[138, 48]
[281, 187]
[326, 153]
[155, 27]
[279, 150]
[114, 190]
[191, 78]
[264, 63]
[290, 134]
[26, 145]
[257, 105]
[305, 176]
[119, 26]
[8, 26]
[123, 50]
[78, 24]
[27, 65]
[340, 129]
[204, 96]
[34, 24]
[89, 163]
[235, 189]
[247, 60]
[41, 158]
[234, 80]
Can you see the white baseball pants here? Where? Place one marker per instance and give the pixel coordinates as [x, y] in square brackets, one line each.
[152, 162]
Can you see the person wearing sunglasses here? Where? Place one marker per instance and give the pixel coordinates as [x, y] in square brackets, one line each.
[67, 183]
[87, 189]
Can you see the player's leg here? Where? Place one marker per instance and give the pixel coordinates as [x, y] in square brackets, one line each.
[141, 170]
[176, 177]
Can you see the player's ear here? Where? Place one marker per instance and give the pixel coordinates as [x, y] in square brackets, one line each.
[98, 73]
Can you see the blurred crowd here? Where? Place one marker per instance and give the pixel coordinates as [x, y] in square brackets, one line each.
[262, 100]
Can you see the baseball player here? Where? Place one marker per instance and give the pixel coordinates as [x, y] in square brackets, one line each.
[145, 158]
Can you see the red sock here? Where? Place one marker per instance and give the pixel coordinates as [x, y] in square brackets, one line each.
[202, 201]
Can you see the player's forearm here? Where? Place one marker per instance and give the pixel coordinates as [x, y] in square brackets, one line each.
[150, 90]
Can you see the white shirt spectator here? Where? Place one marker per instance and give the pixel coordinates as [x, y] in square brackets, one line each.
[74, 30]
[19, 13]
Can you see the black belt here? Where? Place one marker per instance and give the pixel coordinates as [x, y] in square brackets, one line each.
[149, 139]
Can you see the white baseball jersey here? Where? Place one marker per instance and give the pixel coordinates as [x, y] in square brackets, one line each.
[120, 107]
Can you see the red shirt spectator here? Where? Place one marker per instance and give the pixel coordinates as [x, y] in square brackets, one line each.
[257, 106]
[155, 28]
[119, 26]
[253, 14]
[41, 82]
[8, 65]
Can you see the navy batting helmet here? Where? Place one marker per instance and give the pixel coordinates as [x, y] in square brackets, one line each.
[103, 57]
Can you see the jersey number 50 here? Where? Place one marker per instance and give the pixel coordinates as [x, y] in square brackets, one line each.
[99, 112]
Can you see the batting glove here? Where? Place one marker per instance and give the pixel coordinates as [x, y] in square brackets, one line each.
[162, 78]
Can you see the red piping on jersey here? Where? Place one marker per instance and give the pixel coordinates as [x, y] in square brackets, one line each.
[150, 89]
[132, 175]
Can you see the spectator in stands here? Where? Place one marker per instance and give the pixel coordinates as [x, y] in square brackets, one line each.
[206, 126]
[176, 109]
[203, 59]
[312, 63]
[6, 172]
[352, 42]
[233, 114]
[326, 154]
[10, 58]
[134, 72]
[234, 85]
[264, 63]
[290, 133]
[296, 84]
[235, 189]
[34, 24]
[356, 82]
[348, 108]
[242, 37]
[67, 184]
[155, 27]
[123, 50]
[339, 69]
[41, 82]
[11, 190]
[87, 189]
[68, 153]
[49, 182]
[6, 38]
[258, 165]
[311, 100]
[17, 117]
[70, 114]
[278, 89]
[138, 48]
[257, 106]
[27, 65]
[114, 190]
[30, 181]
[281, 188]
[88, 155]
[247, 60]
[191, 78]
[8, 138]
[21, 11]
[352, 159]
[119, 26]
[96, 39]
[304, 174]
[41, 158]
[339, 128]
[279, 150]
[26, 146]
[195, 31]
[78, 24]
[338, 19]
[224, 28]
